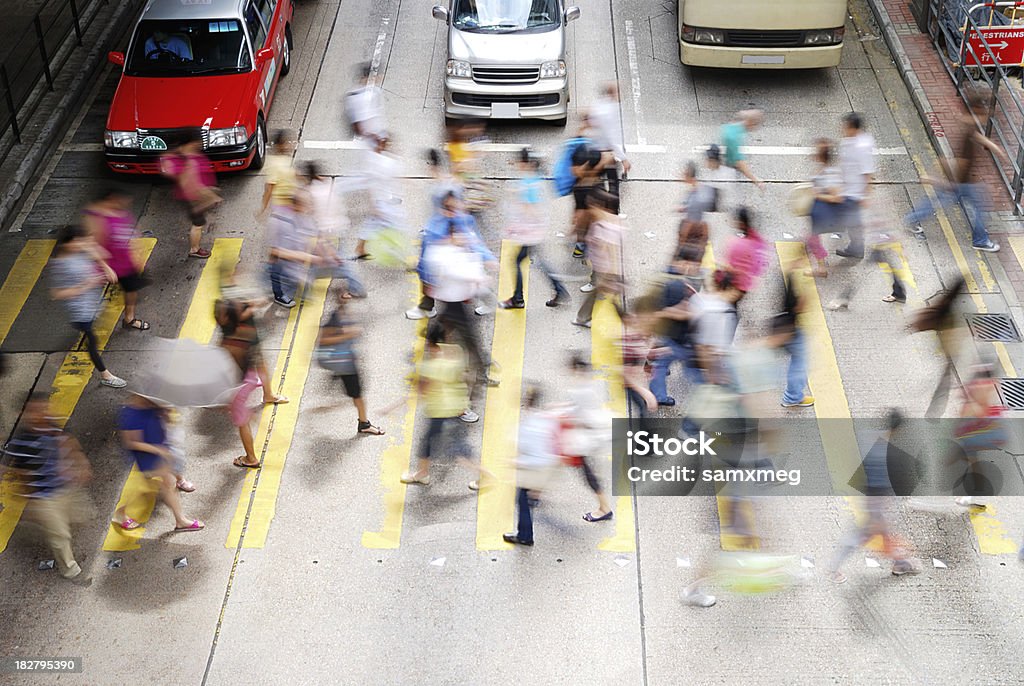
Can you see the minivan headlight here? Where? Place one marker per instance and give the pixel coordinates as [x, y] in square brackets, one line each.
[121, 139]
[221, 138]
[826, 37]
[458, 68]
[552, 70]
[708, 36]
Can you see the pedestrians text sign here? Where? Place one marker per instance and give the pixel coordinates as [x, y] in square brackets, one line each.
[1006, 43]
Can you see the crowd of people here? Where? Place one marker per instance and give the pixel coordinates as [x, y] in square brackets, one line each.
[684, 317]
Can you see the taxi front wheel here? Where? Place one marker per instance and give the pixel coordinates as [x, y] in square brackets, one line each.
[261, 146]
[286, 56]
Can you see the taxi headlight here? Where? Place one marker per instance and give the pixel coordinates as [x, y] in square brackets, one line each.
[220, 138]
[121, 139]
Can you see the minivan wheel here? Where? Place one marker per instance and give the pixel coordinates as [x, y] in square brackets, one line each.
[286, 58]
[261, 146]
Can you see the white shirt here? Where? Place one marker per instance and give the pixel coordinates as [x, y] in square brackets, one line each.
[328, 208]
[856, 161]
[365, 106]
[716, 320]
[607, 129]
[456, 272]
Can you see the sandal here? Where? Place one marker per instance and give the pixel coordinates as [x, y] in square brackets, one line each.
[128, 524]
[196, 525]
[603, 518]
[238, 463]
[279, 400]
[137, 324]
[368, 428]
[185, 485]
[893, 299]
[201, 254]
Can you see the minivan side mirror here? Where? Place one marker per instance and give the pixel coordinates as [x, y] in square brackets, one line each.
[572, 14]
[116, 58]
[263, 56]
[440, 13]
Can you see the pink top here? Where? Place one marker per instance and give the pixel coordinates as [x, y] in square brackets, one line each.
[118, 230]
[175, 164]
[604, 247]
[747, 257]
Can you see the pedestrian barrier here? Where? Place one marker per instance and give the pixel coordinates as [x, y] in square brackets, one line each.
[979, 45]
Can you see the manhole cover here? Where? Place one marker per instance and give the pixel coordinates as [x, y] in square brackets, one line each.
[1012, 391]
[993, 327]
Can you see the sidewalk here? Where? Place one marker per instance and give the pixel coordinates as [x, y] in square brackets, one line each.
[939, 105]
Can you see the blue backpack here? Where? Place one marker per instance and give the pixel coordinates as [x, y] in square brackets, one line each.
[562, 175]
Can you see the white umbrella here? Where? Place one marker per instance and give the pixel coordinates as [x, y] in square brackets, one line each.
[186, 373]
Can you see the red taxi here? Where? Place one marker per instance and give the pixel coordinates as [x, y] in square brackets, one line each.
[198, 66]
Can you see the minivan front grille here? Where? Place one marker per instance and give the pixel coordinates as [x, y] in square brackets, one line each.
[764, 39]
[477, 100]
[493, 74]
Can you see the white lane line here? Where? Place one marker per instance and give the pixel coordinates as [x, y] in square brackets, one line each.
[796, 150]
[378, 49]
[334, 145]
[634, 70]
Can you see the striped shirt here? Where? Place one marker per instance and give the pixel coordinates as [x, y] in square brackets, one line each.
[35, 454]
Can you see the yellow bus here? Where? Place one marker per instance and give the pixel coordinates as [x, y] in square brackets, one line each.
[761, 34]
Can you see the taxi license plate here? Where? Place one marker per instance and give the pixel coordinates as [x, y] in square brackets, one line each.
[763, 59]
[505, 110]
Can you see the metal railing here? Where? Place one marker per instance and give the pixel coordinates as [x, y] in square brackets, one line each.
[40, 54]
[954, 28]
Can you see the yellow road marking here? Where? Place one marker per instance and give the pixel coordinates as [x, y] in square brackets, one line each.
[606, 358]
[258, 501]
[199, 325]
[20, 280]
[495, 510]
[71, 380]
[993, 538]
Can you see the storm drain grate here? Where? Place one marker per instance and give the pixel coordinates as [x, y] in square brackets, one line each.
[1012, 391]
[993, 327]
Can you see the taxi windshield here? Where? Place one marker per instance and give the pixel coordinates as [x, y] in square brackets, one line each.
[505, 16]
[189, 48]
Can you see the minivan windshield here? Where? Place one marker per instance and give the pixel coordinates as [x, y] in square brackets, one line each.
[189, 48]
[504, 16]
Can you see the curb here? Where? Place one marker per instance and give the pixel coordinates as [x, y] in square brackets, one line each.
[917, 94]
[53, 128]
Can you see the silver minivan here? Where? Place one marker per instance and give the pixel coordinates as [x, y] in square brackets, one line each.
[506, 59]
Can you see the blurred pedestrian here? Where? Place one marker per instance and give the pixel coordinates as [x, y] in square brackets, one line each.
[874, 520]
[673, 294]
[536, 463]
[78, 275]
[444, 182]
[445, 391]
[590, 429]
[282, 181]
[636, 353]
[700, 199]
[528, 226]
[604, 248]
[857, 167]
[45, 466]
[747, 253]
[713, 312]
[464, 158]
[290, 250]
[195, 185]
[734, 139]
[383, 171]
[111, 225]
[962, 185]
[788, 334]
[144, 437]
[587, 165]
[828, 200]
[981, 428]
[607, 134]
[940, 317]
[337, 338]
[364, 107]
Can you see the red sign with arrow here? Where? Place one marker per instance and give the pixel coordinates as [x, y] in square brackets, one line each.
[1006, 43]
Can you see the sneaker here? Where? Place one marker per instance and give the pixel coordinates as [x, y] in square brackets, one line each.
[968, 502]
[697, 599]
[837, 305]
[843, 252]
[901, 567]
[991, 246]
[918, 231]
[586, 288]
[511, 304]
[579, 250]
[483, 310]
[114, 382]
[474, 485]
[577, 322]
[469, 416]
[807, 401]
[515, 540]
[285, 302]
[492, 382]
[411, 478]
[415, 313]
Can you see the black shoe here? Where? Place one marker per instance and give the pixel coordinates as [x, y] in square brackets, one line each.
[579, 251]
[515, 540]
[512, 304]
[559, 299]
[843, 252]
[667, 401]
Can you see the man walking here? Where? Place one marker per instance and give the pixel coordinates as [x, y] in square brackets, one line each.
[734, 138]
[607, 134]
[857, 168]
[364, 107]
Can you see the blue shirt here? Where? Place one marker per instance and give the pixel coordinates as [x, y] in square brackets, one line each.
[437, 229]
[734, 136]
[149, 421]
[36, 454]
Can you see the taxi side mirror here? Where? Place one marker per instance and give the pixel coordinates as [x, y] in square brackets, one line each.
[116, 58]
[572, 14]
[440, 13]
[263, 56]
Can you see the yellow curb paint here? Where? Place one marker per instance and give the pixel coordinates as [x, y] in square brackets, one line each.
[199, 325]
[73, 376]
[993, 538]
[20, 281]
[606, 359]
[258, 501]
[495, 510]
